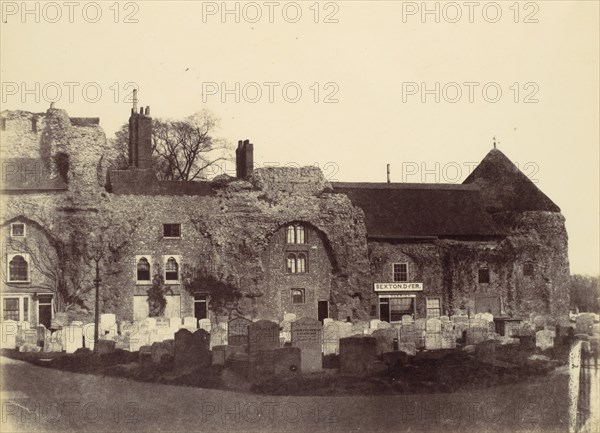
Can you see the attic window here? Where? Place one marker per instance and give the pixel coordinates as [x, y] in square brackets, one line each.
[17, 230]
[483, 276]
[528, 269]
[172, 230]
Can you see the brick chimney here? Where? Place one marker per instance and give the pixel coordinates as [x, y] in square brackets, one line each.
[140, 136]
[244, 159]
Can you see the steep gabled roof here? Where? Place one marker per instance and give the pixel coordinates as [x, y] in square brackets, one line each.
[505, 188]
[404, 210]
[144, 182]
[28, 174]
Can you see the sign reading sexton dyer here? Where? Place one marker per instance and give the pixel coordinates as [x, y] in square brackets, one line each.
[398, 287]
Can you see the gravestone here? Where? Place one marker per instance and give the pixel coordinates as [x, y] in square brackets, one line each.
[345, 329]
[486, 350]
[356, 354]
[407, 333]
[408, 348]
[285, 361]
[106, 346]
[433, 341]
[263, 335]
[475, 335]
[158, 350]
[544, 339]
[31, 337]
[237, 331]
[183, 343]
[175, 322]
[108, 326]
[420, 325]
[385, 340]
[407, 319]
[433, 325]
[285, 330]
[73, 338]
[331, 338]
[359, 328]
[162, 322]
[9, 334]
[307, 335]
[488, 317]
[384, 325]
[150, 322]
[444, 319]
[584, 324]
[374, 323]
[539, 322]
[88, 335]
[526, 329]
[327, 320]
[205, 324]
[218, 337]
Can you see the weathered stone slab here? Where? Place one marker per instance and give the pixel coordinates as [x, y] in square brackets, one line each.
[544, 339]
[475, 335]
[307, 334]
[158, 350]
[73, 338]
[237, 331]
[289, 317]
[433, 325]
[263, 335]
[539, 322]
[218, 336]
[433, 341]
[106, 346]
[385, 340]
[190, 322]
[162, 322]
[175, 322]
[331, 338]
[205, 324]
[356, 353]
[285, 361]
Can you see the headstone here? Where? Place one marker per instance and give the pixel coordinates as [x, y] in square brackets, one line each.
[407, 319]
[359, 328]
[356, 353]
[183, 343]
[289, 317]
[526, 329]
[175, 322]
[444, 319]
[475, 335]
[327, 320]
[106, 346]
[205, 324]
[263, 335]
[345, 329]
[76, 323]
[544, 339]
[88, 335]
[307, 335]
[488, 317]
[31, 336]
[584, 323]
[190, 322]
[285, 330]
[162, 322]
[150, 322]
[374, 323]
[73, 338]
[384, 325]
[486, 350]
[433, 325]
[237, 331]
[408, 348]
[433, 341]
[407, 333]
[385, 340]
[157, 350]
[218, 337]
[420, 325]
[9, 334]
[285, 361]
[539, 322]
[331, 338]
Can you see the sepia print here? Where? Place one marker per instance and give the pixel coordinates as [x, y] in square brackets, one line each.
[339, 216]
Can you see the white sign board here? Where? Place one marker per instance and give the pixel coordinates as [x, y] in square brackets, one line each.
[398, 287]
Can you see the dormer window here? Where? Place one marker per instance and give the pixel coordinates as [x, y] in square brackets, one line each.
[172, 231]
[295, 234]
[17, 230]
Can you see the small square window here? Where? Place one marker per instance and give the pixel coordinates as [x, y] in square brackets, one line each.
[400, 272]
[297, 296]
[528, 269]
[434, 308]
[483, 276]
[172, 230]
[17, 229]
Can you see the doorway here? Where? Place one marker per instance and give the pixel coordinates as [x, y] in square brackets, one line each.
[200, 307]
[323, 310]
[45, 310]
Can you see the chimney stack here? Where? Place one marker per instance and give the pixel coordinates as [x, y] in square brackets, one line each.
[140, 136]
[388, 173]
[244, 159]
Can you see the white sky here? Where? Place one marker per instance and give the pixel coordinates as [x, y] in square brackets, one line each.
[173, 52]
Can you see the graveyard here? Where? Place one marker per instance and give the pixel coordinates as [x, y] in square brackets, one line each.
[302, 356]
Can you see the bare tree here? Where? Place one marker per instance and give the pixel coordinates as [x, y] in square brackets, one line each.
[182, 149]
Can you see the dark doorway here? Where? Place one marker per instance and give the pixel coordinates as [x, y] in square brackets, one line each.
[200, 307]
[45, 311]
[384, 309]
[323, 311]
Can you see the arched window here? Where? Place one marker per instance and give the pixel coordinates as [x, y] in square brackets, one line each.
[297, 296]
[18, 269]
[300, 239]
[301, 263]
[291, 263]
[143, 269]
[290, 234]
[172, 270]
